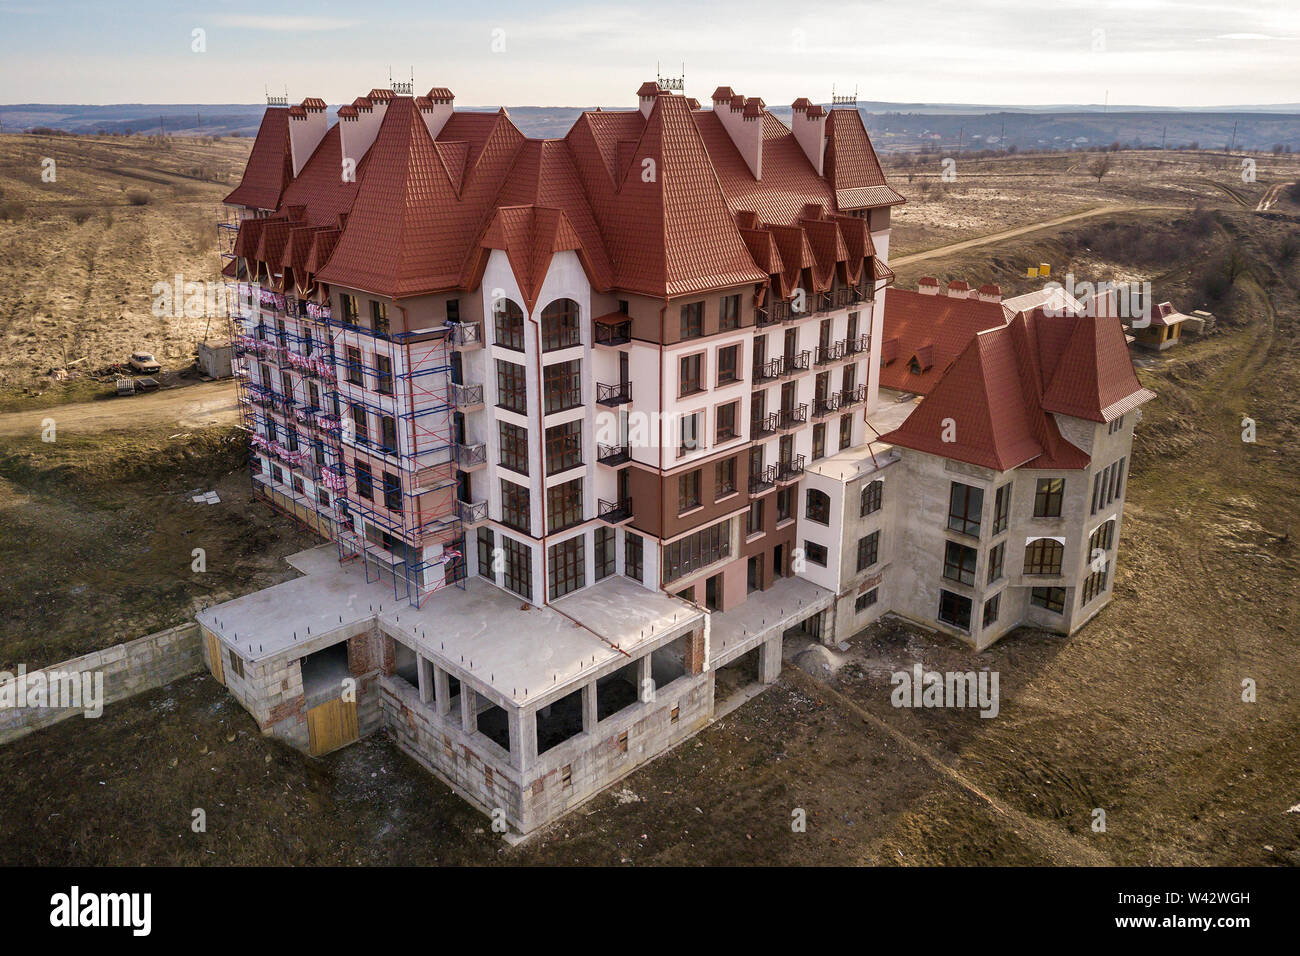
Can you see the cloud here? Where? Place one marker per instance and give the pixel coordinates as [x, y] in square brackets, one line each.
[258, 21]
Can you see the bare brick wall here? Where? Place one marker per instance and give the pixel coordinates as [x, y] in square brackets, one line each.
[128, 669]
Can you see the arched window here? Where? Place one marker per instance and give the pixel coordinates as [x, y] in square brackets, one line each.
[871, 496]
[1044, 556]
[1102, 538]
[560, 328]
[508, 321]
[819, 506]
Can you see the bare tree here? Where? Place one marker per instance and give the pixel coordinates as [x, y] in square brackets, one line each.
[1100, 166]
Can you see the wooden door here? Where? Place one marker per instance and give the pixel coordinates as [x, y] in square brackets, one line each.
[331, 725]
[214, 656]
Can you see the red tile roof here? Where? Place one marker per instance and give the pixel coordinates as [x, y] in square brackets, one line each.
[320, 188]
[411, 228]
[851, 165]
[270, 164]
[663, 204]
[992, 404]
[1092, 376]
[530, 236]
[942, 323]
[789, 181]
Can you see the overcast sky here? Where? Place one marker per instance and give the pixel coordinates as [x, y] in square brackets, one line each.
[555, 53]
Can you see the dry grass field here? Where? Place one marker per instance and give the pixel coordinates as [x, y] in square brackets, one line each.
[1140, 714]
[83, 252]
[990, 195]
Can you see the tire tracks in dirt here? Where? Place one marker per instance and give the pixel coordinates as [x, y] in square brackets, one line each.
[940, 251]
[1061, 847]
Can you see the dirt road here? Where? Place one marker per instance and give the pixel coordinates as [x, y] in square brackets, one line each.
[940, 251]
[189, 406]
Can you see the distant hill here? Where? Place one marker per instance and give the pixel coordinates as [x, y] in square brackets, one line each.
[893, 126]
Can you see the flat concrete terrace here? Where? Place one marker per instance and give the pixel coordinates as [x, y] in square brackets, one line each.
[526, 653]
[763, 616]
[892, 409]
[856, 462]
[293, 616]
[519, 652]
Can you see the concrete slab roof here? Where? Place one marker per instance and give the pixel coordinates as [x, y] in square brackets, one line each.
[764, 613]
[524, 652]
[481, 634]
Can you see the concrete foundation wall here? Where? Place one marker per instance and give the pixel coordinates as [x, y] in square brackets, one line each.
[480, 771]
[128, 669]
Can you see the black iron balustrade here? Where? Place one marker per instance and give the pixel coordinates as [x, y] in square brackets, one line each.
[620, 393]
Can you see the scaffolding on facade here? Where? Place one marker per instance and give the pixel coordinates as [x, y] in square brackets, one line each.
[411, 531]
[309, 449]
[413, 535]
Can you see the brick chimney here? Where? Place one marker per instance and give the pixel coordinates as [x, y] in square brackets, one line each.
[743, 120]
[990, 293]
[435, 109]
[958, 289]
[307, 126]
[927, 285]
[808, 121]
[646, 97]
[359, 123]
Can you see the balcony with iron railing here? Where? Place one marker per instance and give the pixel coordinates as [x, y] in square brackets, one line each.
[790, 469]
[857, 344]
[852, 396]
[466, 335]
[615, 512]
[613, 455]
[471, 457]
[760, 426]
[826, 405]
[765, 316]
[793, 417]
[830, 352]
[762, 480]
[471, 512]
[767, 371]
[620, 393]
[467, 398]
[794, 363]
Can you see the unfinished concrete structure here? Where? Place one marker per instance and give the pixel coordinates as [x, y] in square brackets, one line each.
[1000, 487]
[585, 419]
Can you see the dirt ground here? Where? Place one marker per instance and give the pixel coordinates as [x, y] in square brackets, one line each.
[1140, 714]
[98, 529]
[81, 257]
[998, 193]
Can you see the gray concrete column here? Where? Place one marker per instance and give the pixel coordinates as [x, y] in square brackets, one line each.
[769, 659]
[425, 670]
[589, 708]
[523, 738]
[468, 709]
[645, 687]
[441, 691]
